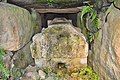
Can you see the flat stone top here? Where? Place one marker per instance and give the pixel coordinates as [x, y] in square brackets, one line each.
[63, 10]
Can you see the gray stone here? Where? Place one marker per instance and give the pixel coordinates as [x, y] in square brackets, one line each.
[31, 73]
[36, 19]
[15, 25]
[23, 58]
[23, 2]
[41, 74]
[117, 3]
[8, 59]
[50, 78]
[105, 57]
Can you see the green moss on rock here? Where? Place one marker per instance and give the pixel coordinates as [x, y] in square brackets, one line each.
[60, 3]
[60, 43]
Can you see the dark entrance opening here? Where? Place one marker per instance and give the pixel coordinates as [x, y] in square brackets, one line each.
[50, 16]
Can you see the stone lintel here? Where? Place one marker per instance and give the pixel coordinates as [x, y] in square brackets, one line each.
[63, 10]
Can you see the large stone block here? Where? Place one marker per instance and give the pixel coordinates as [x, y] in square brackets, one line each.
[106, 53]
[60, 43]
[15, 27]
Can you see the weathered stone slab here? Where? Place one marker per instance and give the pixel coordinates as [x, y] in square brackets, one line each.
[60, 43]
[63, 10]
[105, 58]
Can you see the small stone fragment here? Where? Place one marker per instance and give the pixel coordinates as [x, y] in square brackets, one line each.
[41, 74]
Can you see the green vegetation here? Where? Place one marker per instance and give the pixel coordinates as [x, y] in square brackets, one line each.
[90, 21]
[16, 73]
[88, 74]
[83, 74]
[5, 72]
[50, 2]
[47, 70]
[59, 3]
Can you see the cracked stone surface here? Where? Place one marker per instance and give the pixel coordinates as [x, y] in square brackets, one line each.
[60, 43]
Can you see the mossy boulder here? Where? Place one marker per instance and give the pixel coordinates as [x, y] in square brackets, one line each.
[23, 58]
[60, 43]
[15, 25]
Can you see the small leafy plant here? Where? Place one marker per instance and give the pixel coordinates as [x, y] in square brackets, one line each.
[88, 74]
[50, 2]
[92, 26]
[4, 71]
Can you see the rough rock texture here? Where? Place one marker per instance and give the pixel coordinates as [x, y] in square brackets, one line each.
[30, 74]
[105, 57]
[36, 20]
[15, 25]
[23, 58]
[117, 3]
[8, 59]
[42, 74]
[16, 73]
[17, 61]
[60, 44]
[60, 1]
[23, 2]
